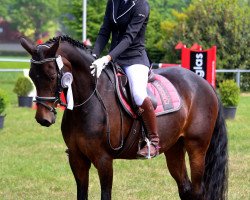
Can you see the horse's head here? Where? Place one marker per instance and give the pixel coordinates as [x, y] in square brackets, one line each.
[46, 75]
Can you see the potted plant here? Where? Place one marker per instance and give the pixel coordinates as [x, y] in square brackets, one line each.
[22, 88]
[3, 104]
[230, 95]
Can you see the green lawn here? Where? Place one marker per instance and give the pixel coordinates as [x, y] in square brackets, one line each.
[33, 165]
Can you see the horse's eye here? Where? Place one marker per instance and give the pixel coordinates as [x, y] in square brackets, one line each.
[52, 77]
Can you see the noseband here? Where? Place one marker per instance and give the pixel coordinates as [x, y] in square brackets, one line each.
[56, 99]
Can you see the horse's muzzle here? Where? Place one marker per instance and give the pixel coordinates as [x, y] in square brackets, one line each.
[45, 118]
[45, 122]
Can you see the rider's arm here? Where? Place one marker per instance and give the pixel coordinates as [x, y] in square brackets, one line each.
[139, 16]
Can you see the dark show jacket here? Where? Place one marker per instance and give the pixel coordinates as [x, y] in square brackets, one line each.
[128, 26]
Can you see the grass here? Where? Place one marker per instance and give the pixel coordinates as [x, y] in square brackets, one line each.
[33, 165]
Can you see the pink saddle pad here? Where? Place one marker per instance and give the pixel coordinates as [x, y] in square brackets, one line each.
[164, 93]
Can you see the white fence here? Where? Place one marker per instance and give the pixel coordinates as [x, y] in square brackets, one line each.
[236, 71]
[13, 60]
[25, 71]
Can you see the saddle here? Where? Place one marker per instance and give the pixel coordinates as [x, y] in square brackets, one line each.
[161, 91]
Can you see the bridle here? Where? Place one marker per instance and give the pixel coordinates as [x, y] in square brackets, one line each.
[57, 98]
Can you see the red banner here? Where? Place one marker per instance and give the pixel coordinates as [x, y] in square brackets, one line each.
[201, 62]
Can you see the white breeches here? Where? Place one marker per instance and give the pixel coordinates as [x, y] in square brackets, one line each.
[138, 78]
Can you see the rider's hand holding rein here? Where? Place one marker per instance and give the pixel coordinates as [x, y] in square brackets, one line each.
[99, 65]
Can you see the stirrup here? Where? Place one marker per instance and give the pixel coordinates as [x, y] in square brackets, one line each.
[148, 143]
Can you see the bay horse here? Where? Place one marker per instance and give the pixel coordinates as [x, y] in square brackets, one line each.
[94, 131]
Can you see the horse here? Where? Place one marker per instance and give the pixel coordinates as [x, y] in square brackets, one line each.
[96, 128]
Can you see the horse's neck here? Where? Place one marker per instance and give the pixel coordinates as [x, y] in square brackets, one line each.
[83, 82]
[79, 58]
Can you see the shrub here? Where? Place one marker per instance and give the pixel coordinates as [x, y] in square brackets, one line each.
[245, 82]
[3, 101]
[23, 86]
[229, 93]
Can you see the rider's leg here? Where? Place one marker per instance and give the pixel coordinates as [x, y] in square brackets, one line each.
[149, 119]
[138, 79]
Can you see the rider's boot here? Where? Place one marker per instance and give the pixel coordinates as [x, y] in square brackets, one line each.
[146, 110]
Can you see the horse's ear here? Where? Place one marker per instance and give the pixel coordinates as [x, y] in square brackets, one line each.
[52, 50]
[27, 45]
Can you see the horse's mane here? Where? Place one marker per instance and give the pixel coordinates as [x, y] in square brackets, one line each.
[68, 39]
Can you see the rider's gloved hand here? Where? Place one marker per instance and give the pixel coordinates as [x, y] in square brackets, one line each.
[99, 65]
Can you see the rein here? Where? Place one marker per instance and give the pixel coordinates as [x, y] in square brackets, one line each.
[107, 116]
[94, 91]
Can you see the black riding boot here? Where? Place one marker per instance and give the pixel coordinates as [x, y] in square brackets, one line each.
[149, 119]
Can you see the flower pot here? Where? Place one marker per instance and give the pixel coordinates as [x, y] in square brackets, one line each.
[25, 101]
[229, 112]
[1, 121]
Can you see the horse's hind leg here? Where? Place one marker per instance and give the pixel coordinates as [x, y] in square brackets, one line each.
[80, 166]
[196, 150]
[175, 157]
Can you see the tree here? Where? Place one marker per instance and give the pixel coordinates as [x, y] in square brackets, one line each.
[161, 10]
[224, 23]
[96, 11]
[164, 7]
[4, 8]
[33, 17]
[73, 18]
[153, 36]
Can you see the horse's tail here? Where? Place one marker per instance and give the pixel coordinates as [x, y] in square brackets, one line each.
[216, 169]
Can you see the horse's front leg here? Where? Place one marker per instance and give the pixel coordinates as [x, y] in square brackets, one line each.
[104, 166]
[80, 166]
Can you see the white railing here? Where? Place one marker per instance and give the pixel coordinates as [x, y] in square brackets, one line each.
[24, 71]
[12, 70]
[14, 60]
[236, 71]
